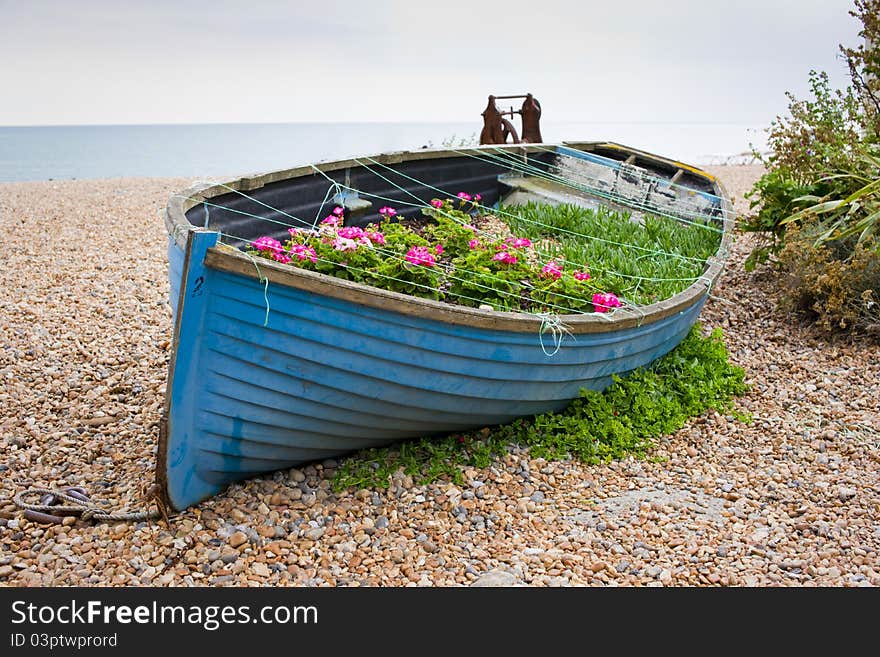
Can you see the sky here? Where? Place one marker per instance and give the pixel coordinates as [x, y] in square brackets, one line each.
[69, 62]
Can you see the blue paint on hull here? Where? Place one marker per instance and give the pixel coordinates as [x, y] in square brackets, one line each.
[327, 376]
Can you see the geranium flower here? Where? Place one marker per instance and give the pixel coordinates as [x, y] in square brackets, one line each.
[581, 275]
[605, 301]
[477, 198]
[438, 249]
[551, 270]
[338, 211]
[464, 196]
[266, 243]
[345, 244]
[282, 257]
[304, 252]
[351, 232]
[420, 255]
[519, 242]
[375, 237]
[330, 220]
[474, 244]
[387, 211]
[505, 257]
[437, 203]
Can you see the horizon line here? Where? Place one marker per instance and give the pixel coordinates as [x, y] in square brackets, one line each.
[477, 126]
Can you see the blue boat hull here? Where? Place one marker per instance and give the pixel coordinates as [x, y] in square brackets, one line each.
[270, 376]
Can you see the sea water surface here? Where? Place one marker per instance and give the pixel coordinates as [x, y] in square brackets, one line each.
[225, 150]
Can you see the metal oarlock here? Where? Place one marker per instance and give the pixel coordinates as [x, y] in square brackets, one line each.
[497, 129]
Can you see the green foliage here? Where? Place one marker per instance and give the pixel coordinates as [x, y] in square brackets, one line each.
[648, 261]
[857, 213]
[775, 195]
[823, 185]
[598, 427]
[645, 261]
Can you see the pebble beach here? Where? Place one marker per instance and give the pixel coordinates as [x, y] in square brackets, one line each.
[791, 498]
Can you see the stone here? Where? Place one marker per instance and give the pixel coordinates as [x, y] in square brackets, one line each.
[496, 578]
[845, 493]
[314, 533]
[237, 538]
[229, 555]
[260, 569]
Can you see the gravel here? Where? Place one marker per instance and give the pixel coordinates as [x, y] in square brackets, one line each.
[792, 498]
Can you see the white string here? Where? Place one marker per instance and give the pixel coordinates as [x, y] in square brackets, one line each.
[553, 323]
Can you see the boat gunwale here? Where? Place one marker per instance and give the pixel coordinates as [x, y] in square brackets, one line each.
[230, 260]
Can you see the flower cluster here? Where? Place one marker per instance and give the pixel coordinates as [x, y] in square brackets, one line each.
[551, 270]
[420, 255]
[446, 258]
[605, 301]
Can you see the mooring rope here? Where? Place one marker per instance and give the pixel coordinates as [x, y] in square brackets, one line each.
[49, 509]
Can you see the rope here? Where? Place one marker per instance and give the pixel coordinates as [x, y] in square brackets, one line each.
[500, 212]
[336, 186]
[553, 324]
[507, 161]
[264, 280]
[78, 504]
[503, 213]
[400, 258]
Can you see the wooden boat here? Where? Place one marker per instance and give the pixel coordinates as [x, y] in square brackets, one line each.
[273, 366]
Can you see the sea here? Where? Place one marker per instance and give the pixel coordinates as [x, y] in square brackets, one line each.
[227, 150]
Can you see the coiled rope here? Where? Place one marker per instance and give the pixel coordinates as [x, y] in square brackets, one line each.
[51, 510]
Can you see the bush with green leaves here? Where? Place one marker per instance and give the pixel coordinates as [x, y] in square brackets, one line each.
[823, 179]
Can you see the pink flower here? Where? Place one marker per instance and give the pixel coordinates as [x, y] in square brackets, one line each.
[464, 196]
[581, 275]
[345, 244]
[519, 242]
[304, 252]
[474, 244]
[266, 243]
[505, 257]
[477, 198]
[420, 255]
[437, 203]
[439, 249]
[375, 237]
[351, 232]
[387, 211]
[282, 257]
[338, 211]
[330, 220]
[605, 301]
[551, 270]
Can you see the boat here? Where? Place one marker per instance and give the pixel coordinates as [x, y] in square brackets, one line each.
[273, 366]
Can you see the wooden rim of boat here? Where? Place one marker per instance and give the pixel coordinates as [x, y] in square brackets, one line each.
[228, 259]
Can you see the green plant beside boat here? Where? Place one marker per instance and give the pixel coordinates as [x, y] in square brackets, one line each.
[623, 420]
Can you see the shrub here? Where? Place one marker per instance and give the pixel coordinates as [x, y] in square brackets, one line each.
[818, 204]
[837, 284]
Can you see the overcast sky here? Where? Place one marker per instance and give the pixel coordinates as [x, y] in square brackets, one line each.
[206, 61]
